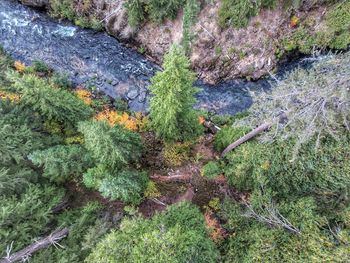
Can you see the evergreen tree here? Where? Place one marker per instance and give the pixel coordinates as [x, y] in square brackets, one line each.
[114, 146]
[177, 235]
[171, 109]
[61, 162]
[51, 103]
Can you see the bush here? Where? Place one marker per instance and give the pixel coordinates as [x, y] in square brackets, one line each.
[228, 135]
[40, 66]
[136, 12]
[176, 154]
[159, 10]
[236, 13]
[178, 235]
[211, 170]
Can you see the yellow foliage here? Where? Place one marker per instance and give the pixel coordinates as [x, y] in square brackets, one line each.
[151, 190]
[84, 95]
[53, 127]
[19, 66]
[9, 96]
[175, 154]
[78, 139]
[141, 121]
[113, 118]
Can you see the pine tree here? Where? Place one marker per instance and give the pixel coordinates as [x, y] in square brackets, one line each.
[62, 161]
[51, 103]
[113, 146]
[171, 109]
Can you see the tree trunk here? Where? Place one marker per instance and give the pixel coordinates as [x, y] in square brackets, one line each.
[246, 137]
[23, 254]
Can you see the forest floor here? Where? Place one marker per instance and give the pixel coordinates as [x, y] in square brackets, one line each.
[175, 184]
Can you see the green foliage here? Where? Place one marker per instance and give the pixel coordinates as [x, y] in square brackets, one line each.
[159, 10]
[253, 241]
[228, 135]
[324, 173]
[171, 107]
[236, 13]
[26, 216]
[334, 34]
[136, 12]
[127, 186]
[79, 13]
[124, 185]
[191, 10]
[60, 80]
[62, 9]
[61, 163]
[82, 222]
[52, 103]
[40, 66]
[178, 235]
[211, 170]
[114, 146]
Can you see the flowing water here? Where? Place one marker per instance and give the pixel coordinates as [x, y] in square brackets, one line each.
[95, 58]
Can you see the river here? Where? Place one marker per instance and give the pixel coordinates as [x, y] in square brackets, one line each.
[95, 58]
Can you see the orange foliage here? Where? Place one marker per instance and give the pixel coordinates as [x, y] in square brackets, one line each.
[113, 118]
[19, 66]
[84, 95]
[294, 21]
[217, 232]
[9, 96]
[201, 119]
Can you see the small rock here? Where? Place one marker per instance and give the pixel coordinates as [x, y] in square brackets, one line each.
[132, 94]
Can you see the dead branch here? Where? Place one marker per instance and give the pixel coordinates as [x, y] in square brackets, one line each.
[171, 178]
[246, 137]
[272, 218]
[25, 253]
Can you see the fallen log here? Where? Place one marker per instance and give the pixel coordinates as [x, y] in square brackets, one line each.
[246, 137]
[171, 178]
[25, 253]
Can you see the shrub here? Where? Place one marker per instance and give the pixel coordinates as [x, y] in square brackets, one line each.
[171, 108]
[40, 66]
[236, 13]
[176, 154]
[136, 12]
[159, 10]
[60, 80]
[151, 190]
[228, 135]
[178, 235]
[211, 170]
